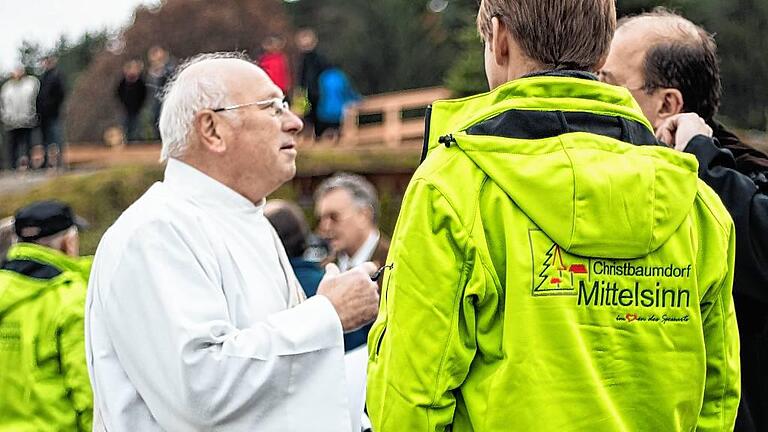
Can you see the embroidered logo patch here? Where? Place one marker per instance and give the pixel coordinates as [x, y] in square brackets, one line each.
[554, 271]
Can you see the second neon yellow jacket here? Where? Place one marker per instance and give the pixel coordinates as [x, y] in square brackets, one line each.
[44, 383]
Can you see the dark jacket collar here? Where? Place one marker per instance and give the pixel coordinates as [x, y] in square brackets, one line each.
[567, 73]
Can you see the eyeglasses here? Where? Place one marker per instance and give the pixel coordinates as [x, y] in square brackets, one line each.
[334, 217]
[277, 105]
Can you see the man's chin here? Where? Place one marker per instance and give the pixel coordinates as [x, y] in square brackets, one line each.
[335, 246]
[290, 173]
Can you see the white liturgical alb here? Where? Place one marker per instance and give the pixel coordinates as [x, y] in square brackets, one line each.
[192, 324]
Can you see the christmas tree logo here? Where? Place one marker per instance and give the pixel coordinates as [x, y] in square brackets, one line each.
[555, 271]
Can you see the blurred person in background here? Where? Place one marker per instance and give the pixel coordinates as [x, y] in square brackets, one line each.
[49, 102]
[43, 374]
[336, 93]
[132, 92]
[671, 67]
[312, 63]
[347, 210]
[292, 228]
[18, 113]
[275, 63]
[160, 69]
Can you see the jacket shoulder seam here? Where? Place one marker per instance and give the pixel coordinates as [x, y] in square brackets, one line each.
[724, 226]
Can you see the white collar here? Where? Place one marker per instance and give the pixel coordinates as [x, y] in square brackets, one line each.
[363, 254]
[187, 181]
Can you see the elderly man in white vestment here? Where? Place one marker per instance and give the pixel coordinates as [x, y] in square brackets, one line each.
[195, 321]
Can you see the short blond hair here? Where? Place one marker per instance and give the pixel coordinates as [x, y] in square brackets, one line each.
[558, 34]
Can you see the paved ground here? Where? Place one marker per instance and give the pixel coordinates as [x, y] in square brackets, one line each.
[18, 182]
[12, 182]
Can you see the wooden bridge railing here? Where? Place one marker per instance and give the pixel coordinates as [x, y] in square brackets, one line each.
[396, 125]
[398, 119]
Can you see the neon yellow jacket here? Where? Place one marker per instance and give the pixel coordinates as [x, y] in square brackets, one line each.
[552, 274]
[44, 383]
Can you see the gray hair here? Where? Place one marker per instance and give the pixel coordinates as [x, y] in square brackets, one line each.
[362, 191]
[184, 96]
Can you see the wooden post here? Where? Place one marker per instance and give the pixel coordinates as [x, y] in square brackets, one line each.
[392, 124]
[349, 125]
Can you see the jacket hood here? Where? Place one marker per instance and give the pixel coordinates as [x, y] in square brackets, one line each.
[579, 158]
[17, 288]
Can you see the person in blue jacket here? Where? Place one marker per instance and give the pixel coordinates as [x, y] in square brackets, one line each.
[335, 93]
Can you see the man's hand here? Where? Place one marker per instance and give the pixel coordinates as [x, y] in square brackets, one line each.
[354, 295]
[678, 130]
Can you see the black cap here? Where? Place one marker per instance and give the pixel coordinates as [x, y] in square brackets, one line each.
[45, 218]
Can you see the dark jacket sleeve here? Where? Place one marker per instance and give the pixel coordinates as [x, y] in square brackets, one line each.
[748, 208]
[57, 92]
[120, 91]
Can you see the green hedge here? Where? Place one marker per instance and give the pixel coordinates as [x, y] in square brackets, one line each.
[101, 196]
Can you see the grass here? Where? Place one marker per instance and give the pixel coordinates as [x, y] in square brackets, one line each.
[101, 196]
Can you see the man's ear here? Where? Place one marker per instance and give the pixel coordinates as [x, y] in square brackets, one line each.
[367, 212]
[71, 244]
[672, 103]
[499, 43]
[208, 126]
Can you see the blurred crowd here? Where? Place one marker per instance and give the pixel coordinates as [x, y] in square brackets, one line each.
[30, 109]
[31, 105]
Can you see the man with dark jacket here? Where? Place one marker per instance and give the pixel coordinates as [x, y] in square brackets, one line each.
[347, 210]
[670, 65]
[49, 101]
[312, 64]
[132, 92]
[161, 67]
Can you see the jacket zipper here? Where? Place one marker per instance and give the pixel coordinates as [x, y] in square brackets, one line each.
[425, 146]
[381, 339]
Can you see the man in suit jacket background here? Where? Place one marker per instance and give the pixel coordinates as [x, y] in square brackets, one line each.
[347, 208]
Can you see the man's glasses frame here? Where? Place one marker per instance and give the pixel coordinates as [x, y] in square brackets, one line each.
[278, 105]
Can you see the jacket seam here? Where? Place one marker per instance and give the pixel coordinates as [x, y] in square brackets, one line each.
[488, 267]
[573, 196]
[722, 225]
[457, 296]
[653, 209]
[427, 172]
[723, 347]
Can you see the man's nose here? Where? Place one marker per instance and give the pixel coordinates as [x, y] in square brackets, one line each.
[328, 225]
[292, 123]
